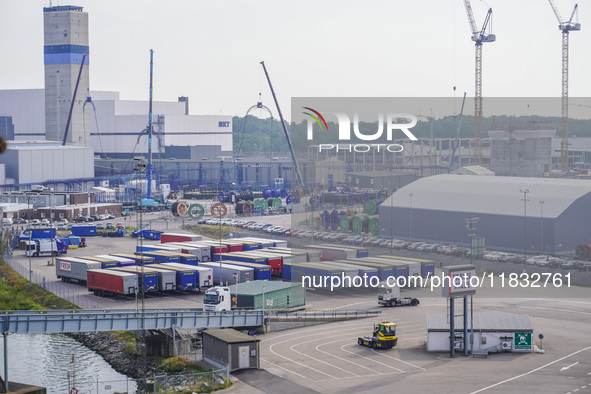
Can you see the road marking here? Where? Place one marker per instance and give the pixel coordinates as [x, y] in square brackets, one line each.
[371, 359]
[397, 359]
[285, 369]
[356, 303]
[315, 359]
[340, 358]
[565, 368]
[297, 362]
[530, 372]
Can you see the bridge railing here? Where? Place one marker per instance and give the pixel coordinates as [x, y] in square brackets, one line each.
[332, 313]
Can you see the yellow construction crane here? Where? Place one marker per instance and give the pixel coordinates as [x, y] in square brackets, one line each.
[566, 27]
[479, 36]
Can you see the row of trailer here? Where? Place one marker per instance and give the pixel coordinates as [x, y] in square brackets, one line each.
[348, 272]
[127, 274]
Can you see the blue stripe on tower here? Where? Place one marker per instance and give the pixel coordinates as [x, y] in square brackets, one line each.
[81, 49]
[65, 54]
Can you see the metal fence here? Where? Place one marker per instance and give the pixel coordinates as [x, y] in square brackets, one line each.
[325, 314]
[197, 382]
[158, 384]
[56, 288]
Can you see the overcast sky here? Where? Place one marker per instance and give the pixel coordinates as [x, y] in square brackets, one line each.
[211, 50]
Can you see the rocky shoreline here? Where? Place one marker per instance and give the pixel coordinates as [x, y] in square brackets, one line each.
[113, 352]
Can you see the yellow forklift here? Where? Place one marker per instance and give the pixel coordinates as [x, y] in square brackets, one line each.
[384, 336]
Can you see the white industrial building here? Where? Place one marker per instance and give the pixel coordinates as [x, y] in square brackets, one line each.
[33, 163]
[119, 122]
[493, 333]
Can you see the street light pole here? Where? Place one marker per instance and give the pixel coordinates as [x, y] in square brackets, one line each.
[542, 226]
[525, 200]
[391, 215]
[410, 220]
[51, 224]
[28, 248]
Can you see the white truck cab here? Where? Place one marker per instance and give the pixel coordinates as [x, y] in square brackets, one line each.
[390, 296]
[218, 299]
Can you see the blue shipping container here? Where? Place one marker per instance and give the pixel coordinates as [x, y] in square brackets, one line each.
[37, 233]
[84, 230]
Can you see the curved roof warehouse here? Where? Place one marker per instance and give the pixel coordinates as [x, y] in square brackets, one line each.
[434, 209]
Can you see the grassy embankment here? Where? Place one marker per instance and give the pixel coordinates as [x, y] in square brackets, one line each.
[17, 294]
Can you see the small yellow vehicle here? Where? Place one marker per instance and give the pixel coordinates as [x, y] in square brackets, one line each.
[384, 336]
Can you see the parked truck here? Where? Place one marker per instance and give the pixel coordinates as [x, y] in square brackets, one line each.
[218, 299]
[390, 296]
[44, 247]
[70, 269]
[104, 282]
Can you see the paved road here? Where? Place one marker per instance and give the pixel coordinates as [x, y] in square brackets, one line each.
[327, 358]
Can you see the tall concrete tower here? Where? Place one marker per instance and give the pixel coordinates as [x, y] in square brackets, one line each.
[66, 40]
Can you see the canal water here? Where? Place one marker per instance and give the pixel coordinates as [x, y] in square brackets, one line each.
[46, 360]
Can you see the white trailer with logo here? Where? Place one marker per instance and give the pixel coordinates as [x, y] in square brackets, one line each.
[70, 269]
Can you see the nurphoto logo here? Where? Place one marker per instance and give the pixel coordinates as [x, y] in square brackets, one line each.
[394, 121]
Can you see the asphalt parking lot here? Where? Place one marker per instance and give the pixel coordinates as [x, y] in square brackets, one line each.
[326, 358]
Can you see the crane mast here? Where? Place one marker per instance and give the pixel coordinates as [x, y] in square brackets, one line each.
[565, 27]
[479, 36]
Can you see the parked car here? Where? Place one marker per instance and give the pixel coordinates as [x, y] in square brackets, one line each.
[7, 221]
[569, 265]
[100, 226]
[534, 260]
[492, 256]
[110, 225]
[414, 245]
[120, 225]
[35, 222]
[19, 221]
